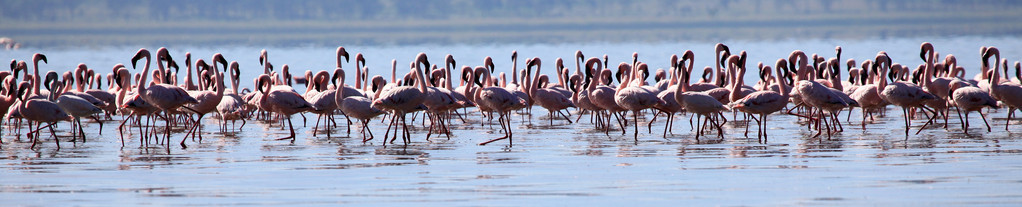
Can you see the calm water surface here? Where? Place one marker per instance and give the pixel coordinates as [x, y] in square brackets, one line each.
[548, 165]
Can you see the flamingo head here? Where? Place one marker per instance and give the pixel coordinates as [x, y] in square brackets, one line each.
[488, 63]
[263, 56]
[139, 55]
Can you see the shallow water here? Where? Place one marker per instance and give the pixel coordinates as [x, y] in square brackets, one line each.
[547, 165]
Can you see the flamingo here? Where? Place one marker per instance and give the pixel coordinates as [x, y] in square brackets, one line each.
[1007, 93]
[440, 100]
[635, 98]
[106, 97]
[901, 93]
[40, 110]
[232, 107]
[281, 101]
[207, 101]
[938, 86]
[970, 98]
[562, 78]
[550, 99]
[815, 94]
[515, 88]
[166, 97]
[766, 102]
[868, 94]
[75, 106]
[582, 92]
[699, 103]
[324, 101]
[360, 108]
[603, 97]
[404, 99]
[497, 99]
[670, 105]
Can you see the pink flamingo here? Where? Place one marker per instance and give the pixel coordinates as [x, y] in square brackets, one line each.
[41, 110]
[189, 83]
[107, 98]
[232, 107]
[970, 98]
[901, 93]
[324, 101]
[360, 108]
[938, 86]
[281, 101]
[547, 98]
[868, 94]
[1008, 93]
[75, 106]
[698, 102]
[499, 100]
[458, 95]
[166, 97]
[766, 102]
[515, 88]
[819, 96]
[404, 99]
[581, 94]
[207, 100]
[670, 105]
[603, 97]
[635, 98]
[562, 78]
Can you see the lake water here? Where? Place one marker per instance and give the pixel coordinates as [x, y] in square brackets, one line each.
[564, 164]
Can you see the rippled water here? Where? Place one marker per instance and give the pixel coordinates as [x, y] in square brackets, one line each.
[548, 165]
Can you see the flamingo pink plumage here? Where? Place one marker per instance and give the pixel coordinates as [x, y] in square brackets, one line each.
[166, 97]
[404, 99]
[766, 102]
[281, 101]
[499, 100]
[547, 98]
[900, 93]
[207, 100]
[41, 110]
[635, 98]
[1009, 94]
[969, 99]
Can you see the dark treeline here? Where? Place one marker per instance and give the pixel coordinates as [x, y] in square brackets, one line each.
[117, 11]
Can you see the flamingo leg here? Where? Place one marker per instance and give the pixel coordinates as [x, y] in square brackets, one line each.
[315, 127]
[761, 127]
[404, 132]
[826, 123]
[985, 121]
[507, 131]
[191, 132]
[720, 131]
[929, 120]
[55, 138]
[100, 124]
[635, 115]
[904, 111]
[746, 127]
[292, 128]
[82, 131]
[1011, 110]
[565, 116]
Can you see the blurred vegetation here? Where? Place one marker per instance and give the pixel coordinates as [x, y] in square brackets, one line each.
[401, 21]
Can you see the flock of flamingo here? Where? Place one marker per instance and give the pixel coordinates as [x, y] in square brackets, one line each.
[815, 93]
